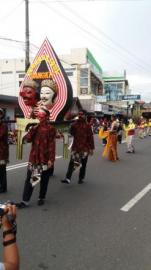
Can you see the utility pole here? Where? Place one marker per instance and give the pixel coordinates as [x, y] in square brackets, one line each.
[27, 63]
[127, 108]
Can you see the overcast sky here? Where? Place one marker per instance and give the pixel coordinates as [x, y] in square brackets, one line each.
[116, 32]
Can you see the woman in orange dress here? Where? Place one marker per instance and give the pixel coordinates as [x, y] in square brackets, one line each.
[110, 150]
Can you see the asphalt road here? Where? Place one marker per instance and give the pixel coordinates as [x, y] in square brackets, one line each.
[82, 227]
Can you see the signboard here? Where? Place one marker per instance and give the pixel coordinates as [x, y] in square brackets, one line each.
[131, 97]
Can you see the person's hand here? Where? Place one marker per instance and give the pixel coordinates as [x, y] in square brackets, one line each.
[49, 164]
[9, 211]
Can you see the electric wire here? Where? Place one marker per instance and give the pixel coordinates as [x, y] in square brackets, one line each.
[96, 38]
[73, 12]
[11, 11]
[72, 1]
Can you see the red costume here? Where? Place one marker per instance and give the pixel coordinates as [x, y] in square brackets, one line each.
[83, 145]
[3, 142]
[41, 158]
[43, 144]
[82, 137]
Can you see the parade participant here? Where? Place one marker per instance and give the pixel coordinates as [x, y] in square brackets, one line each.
[41, 158]
[141, 128]
[4, 152]
[30, 96]
[105, 128]
[114, 122]
[8, 224]
[48, 93]
[145, 128]
[110, 150]
[119, 131]
[129, 128]
[149, 127]
[82, 147]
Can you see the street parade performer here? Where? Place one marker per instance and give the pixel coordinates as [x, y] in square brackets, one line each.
[4, 152]
[41, 158]
[110, 149]
[129, 128]
[82, 147]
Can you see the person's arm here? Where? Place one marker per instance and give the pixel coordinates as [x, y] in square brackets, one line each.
[90, 139]
[30, 134]
[10, 253]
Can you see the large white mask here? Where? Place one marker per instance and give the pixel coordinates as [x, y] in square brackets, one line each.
[46, 95]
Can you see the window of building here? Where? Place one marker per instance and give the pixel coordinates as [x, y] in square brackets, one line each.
[83, 81]
[21, 75]
[84, 77]
[69, 73]
[113, 91]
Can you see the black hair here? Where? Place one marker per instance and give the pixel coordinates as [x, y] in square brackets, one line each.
[83, 111]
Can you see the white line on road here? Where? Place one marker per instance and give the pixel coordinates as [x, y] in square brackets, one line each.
[135, 199]
[21, 165]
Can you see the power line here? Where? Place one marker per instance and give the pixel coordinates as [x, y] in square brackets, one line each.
[13, 40]
[70, 1]
[20, 42]
[92, 35]
[105, 35]
[11, 11]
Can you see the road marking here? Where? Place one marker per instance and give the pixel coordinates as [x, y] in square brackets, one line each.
[135, 199]
[16, 166]
[21, 165]
[58, 157]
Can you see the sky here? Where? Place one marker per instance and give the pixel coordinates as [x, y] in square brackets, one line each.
[116, 32]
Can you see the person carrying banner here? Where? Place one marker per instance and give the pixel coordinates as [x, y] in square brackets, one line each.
[41, 158]
[4, 152]
[82, 147]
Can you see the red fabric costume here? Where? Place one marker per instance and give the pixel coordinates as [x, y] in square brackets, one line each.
[4, 153]
[43, 143]
[83, 137]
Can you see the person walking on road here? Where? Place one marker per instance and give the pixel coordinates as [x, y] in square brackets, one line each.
[110, 149]
[41, 158]
[129, 128]
[82, 147]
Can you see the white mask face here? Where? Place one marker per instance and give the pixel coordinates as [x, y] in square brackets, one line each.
[46, 95]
